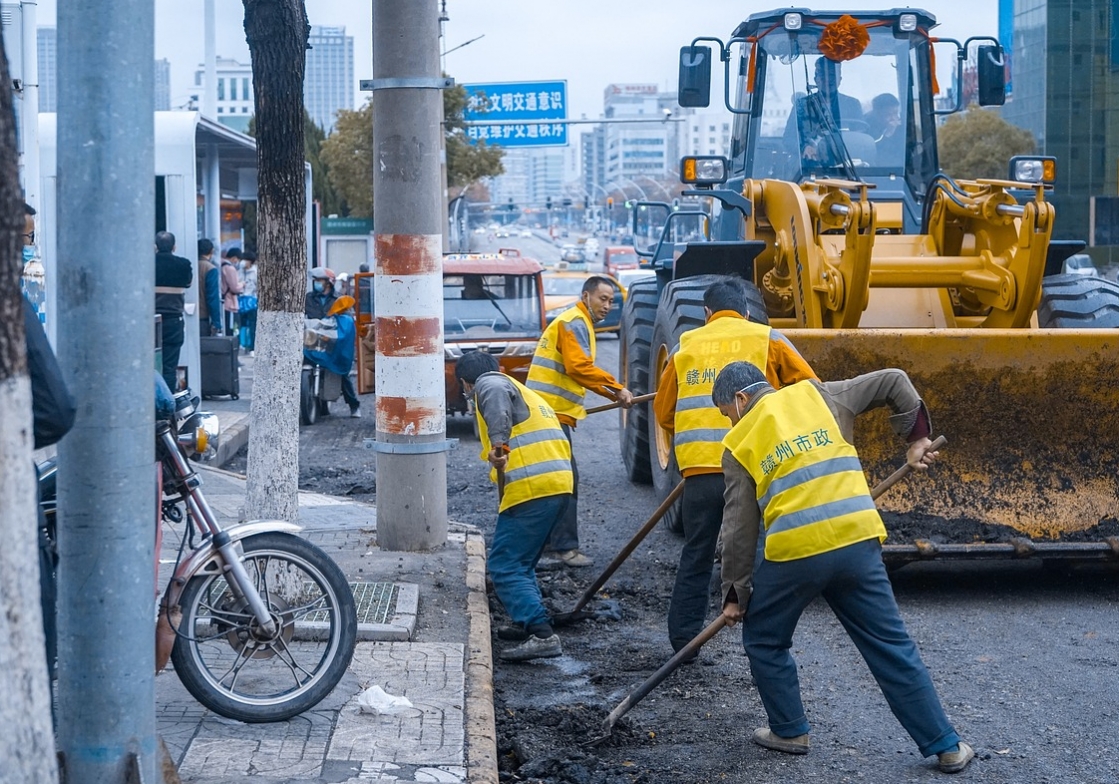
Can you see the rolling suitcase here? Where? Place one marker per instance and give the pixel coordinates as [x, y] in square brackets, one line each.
[220, 377]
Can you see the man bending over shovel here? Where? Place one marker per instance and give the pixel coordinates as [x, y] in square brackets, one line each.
[523, 441]
[789, 462]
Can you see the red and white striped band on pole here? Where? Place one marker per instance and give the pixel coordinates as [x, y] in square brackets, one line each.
[411, 398]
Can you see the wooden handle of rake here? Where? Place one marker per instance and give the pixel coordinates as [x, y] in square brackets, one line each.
[616, 404]
[620, 558]
[500, 484]
[902, 472]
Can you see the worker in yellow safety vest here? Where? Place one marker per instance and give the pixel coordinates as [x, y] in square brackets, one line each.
[683, 408]
[521, 438]
[789, 464]
[562, 371]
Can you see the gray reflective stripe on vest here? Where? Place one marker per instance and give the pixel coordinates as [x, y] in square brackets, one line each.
[692, 403]
[713, 435]
[551, 389]
[862, 503]
[833, 465]
[537, 437]
[537, 469]
[578, 328]
[549, 363]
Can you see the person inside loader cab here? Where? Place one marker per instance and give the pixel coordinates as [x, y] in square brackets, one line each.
[790, 468]
[562, 371]
[684, 409]
[522, 438]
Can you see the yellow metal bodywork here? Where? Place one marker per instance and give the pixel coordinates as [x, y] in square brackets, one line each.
[1031, 415]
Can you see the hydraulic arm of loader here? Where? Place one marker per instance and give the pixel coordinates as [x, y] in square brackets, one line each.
[1031, 414]
[984, 255]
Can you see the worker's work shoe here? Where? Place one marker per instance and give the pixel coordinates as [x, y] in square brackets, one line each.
[534, 648]
[575, 558]
[355, 412]
[763, 736]
[955, 761]
[514, 632]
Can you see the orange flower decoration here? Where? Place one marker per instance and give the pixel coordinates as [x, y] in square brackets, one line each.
[843, 39]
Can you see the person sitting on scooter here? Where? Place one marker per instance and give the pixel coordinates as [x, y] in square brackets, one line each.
[339, 358]
[321, 296]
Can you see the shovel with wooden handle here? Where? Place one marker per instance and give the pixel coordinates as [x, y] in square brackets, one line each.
[617, 403]
[573, 615]
[715, 627]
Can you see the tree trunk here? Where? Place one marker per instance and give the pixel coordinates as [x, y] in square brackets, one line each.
[277, 32]
[27, 742]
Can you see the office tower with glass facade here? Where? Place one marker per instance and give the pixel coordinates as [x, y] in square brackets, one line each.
[329, 83]
[1064, 88]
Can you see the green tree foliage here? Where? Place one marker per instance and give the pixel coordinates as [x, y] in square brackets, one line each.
[348, 153]
[979, 144]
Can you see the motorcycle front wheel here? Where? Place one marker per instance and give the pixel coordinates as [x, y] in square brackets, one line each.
[231, 665]
[308, 404]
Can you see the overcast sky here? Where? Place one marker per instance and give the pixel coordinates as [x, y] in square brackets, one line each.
[588, 43]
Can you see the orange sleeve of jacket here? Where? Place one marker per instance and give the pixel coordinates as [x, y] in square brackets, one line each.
[579, 367]
[785, 365]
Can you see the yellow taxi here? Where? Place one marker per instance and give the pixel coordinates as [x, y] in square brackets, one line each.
[563, 283]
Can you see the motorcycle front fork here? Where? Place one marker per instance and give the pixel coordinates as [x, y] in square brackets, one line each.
[237, 577]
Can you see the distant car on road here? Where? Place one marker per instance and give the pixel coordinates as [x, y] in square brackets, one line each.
[572, 254]
[526, 232]
[1081, 264]
[562, 289]
[616, 258]
[502, 233]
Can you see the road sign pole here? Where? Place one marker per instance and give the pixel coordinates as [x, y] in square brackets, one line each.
[408, 244]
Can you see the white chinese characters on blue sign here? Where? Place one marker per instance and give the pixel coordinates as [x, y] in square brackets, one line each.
[518, 112]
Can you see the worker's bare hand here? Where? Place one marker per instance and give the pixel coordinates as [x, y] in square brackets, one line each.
[498, 457]
[733, 613]
[625, 397]
[919, 456]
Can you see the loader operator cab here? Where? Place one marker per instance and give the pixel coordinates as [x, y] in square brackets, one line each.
[815, 97]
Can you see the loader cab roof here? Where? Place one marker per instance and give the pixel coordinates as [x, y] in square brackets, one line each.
[762, 21]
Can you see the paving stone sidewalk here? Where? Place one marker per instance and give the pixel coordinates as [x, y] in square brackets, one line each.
[432, 646]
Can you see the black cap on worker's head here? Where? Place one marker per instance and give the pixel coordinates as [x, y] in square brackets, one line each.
[474, 364]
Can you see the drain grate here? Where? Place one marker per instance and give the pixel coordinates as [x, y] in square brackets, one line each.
[375, 603]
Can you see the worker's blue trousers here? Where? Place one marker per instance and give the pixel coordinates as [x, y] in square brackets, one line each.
[853, 581]
[518, 541]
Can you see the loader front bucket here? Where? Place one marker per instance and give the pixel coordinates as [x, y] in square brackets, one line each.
[1032, 421]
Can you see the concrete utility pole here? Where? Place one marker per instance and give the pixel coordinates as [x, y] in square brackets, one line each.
[106, 489]
[407, 218]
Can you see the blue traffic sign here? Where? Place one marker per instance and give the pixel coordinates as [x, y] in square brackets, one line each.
[515, 113]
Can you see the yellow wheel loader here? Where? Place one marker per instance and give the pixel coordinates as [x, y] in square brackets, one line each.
[831, 203]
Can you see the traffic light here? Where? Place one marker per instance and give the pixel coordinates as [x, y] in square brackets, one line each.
[609, 201]
[566, 202]
[548, 203]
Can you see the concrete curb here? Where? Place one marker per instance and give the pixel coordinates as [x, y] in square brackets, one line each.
[230, 442]
[481, 731]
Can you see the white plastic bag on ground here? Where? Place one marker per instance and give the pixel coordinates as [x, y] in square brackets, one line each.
[377, 701]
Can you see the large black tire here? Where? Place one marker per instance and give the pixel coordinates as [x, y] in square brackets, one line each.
[680, 309]
[308, 405]
[635, 336]
[1078, 302]
[311, 600]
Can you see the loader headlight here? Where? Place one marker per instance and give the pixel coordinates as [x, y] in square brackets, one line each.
[793, 22]
[703, 169]
[1033, 169]
[907, 23]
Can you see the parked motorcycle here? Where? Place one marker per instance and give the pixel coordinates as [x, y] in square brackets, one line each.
[328, 353]
[264, 622]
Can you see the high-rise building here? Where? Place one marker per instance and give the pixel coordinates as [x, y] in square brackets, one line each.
[47, 53]
[1064, 80]
[329, 83]
[234, 94]
[47, 45]
[706, 133]
[162, 85]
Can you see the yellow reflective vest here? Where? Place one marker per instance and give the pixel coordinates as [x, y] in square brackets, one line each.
[703, 352]
[539, 454]
[547, 375]
[812, 491]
